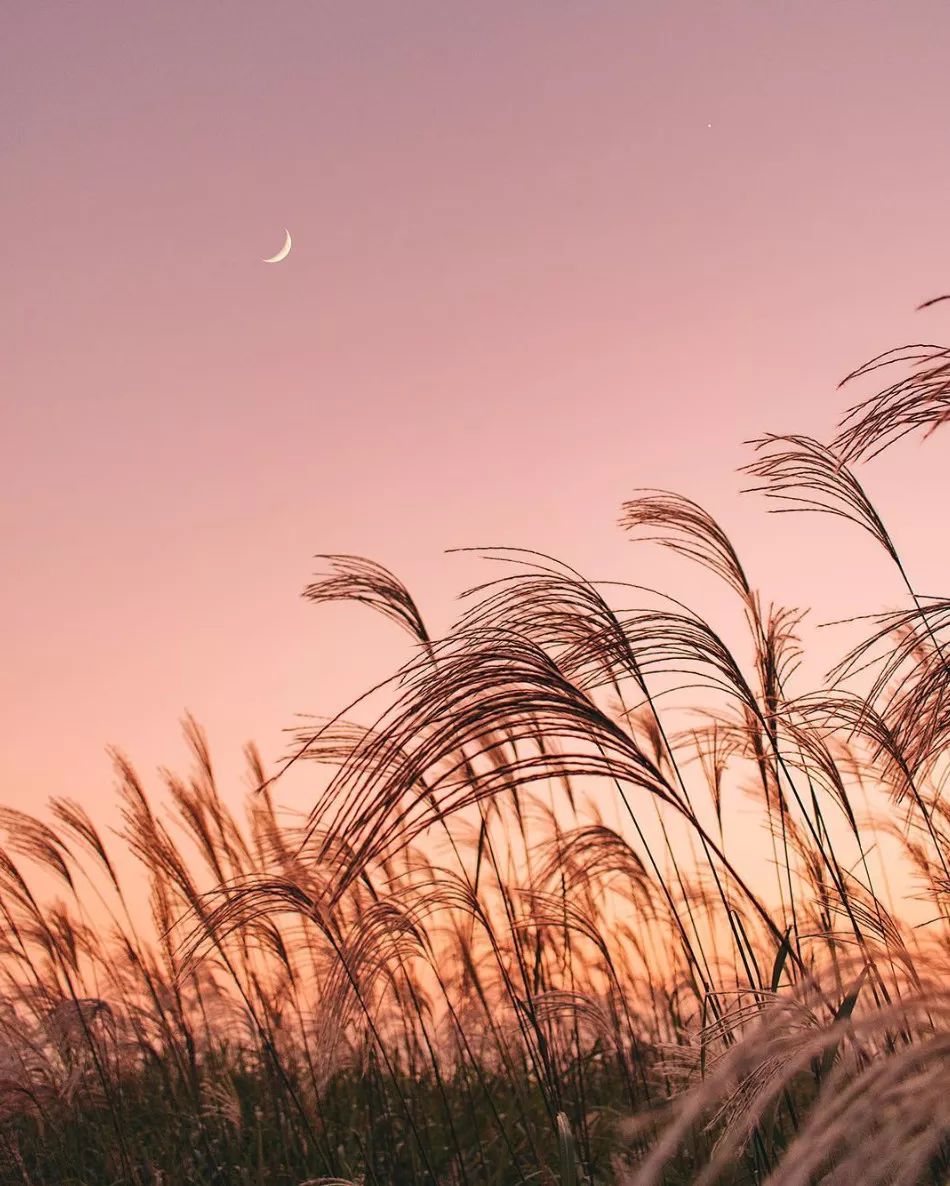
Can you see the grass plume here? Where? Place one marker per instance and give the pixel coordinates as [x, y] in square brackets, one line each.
[520, 935]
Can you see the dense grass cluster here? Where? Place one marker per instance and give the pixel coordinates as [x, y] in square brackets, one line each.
[589, 893]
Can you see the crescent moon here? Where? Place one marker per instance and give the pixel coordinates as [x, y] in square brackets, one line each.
[284, 251]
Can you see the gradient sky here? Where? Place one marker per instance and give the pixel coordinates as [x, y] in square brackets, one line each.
[528, 277]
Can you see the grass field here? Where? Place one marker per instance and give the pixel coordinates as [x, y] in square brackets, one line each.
[520, 937]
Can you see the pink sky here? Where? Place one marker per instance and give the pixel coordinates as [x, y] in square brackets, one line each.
[528, 277]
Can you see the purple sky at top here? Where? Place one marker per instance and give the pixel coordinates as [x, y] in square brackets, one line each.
[528, 277]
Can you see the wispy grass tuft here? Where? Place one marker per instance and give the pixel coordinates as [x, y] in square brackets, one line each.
[592, 890]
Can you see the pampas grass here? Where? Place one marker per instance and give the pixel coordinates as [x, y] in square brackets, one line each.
[519, 936]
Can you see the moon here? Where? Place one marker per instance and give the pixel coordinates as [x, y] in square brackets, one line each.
[284, 251]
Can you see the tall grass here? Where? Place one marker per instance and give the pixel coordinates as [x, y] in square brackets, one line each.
[591, 891]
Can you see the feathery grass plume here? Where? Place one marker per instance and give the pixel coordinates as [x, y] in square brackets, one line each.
[685, 528]
[352, 578]
[483, 684]
[869, 1084]
[920, 399]
[809, 476]
[584, 859]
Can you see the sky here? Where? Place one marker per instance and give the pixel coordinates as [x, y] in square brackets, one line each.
[544, 253]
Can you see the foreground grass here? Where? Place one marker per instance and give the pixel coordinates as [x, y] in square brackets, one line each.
[363, 1137]
[520, 937]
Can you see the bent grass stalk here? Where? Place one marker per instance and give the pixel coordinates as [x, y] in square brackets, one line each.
[454, 970]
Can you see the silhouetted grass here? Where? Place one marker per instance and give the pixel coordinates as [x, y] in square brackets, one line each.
[522, 936]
